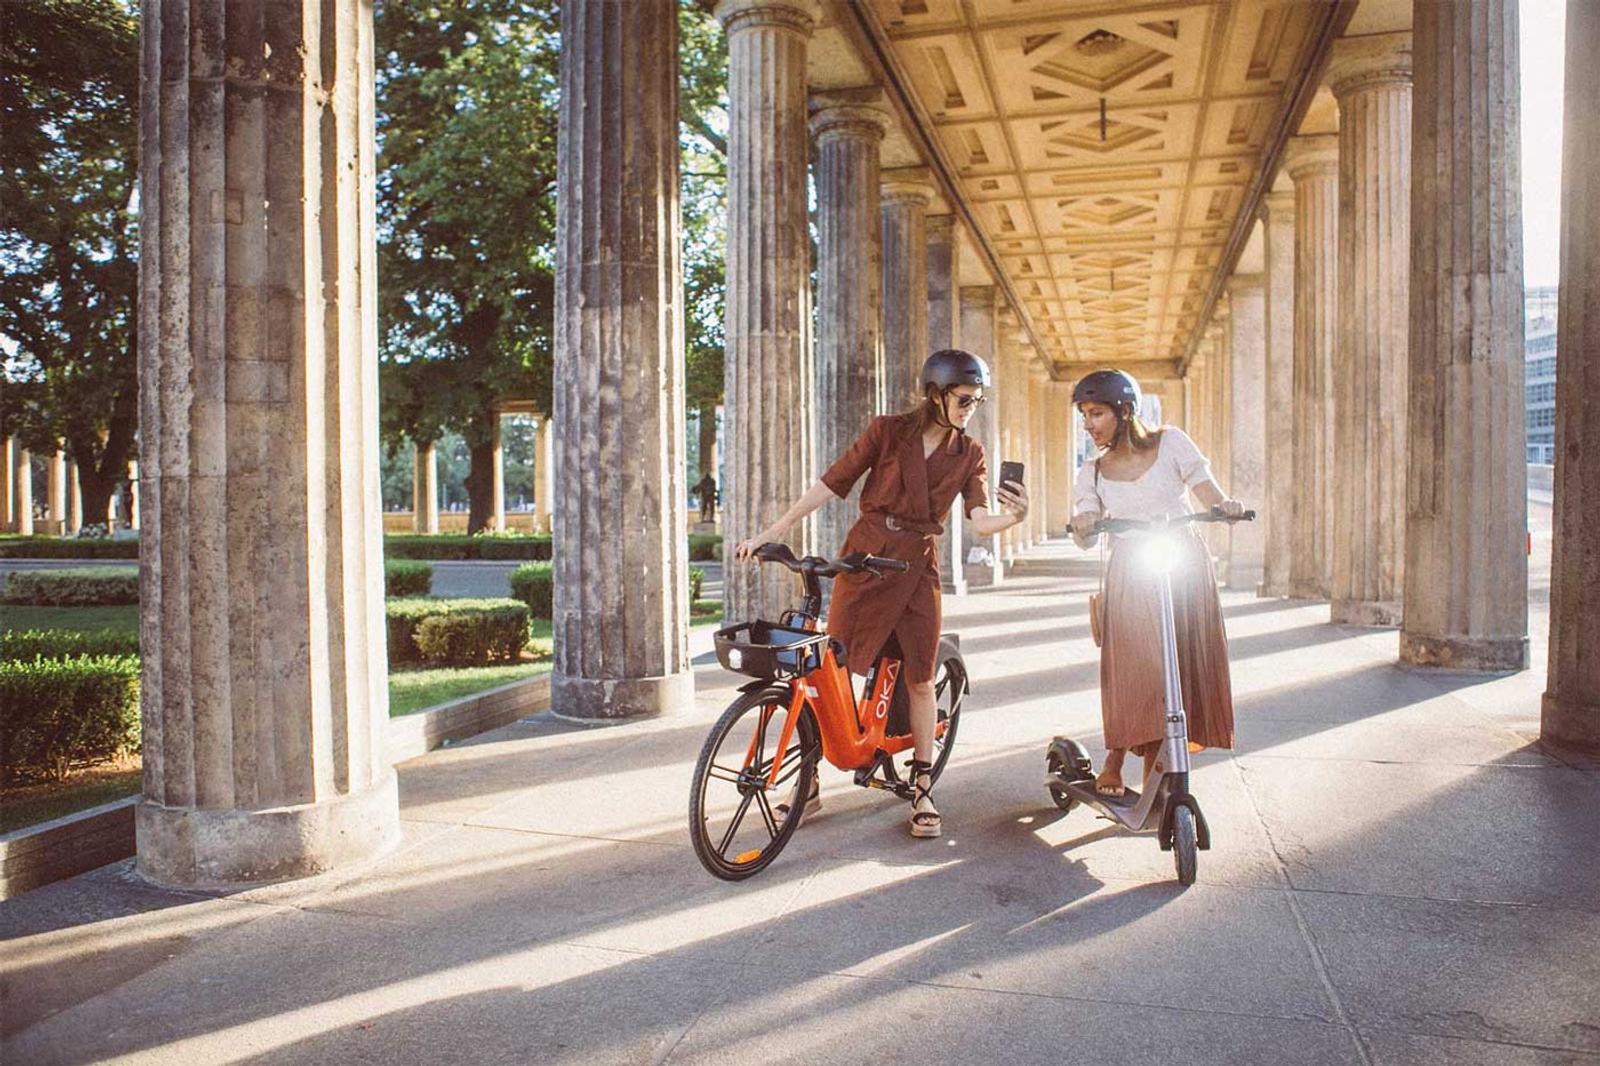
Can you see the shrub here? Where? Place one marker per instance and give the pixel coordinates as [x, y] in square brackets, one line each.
[705, 548]
[473, 638]
[77, 586]
[28, 644]
[697, 582]
[45, 547]
[58, 714]
[532, 583]
[405, 578]
[461, 546]
[406, 616]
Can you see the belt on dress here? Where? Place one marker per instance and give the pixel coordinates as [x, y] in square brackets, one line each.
[910, 525]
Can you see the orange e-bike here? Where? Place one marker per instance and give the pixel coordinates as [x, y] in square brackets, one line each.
[757, 766]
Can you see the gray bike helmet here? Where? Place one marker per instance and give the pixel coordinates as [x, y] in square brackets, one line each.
[1108, 387]
[951, 367]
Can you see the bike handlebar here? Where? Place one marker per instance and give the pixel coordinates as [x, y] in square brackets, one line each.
[854, 563]
[1130, 525]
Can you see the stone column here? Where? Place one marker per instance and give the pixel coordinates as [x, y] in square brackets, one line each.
[944, 304]
[1277, 503]
[767, 278]
[7, 504]
[542, 479]
[1313, 164]
[497, 479]
[849, 274]
[22, 490]
[74, 499]
[1466, 573]
[133, 496]
[56, 492]
[424, 487]
[1219, 384]
[1247, 425]
[944, 331]
[1571, 712]
[905, 289]
[264, 685]
[979, 336]
[1039, 474]
[1058, 491]
[1371, 79]
[621, 563]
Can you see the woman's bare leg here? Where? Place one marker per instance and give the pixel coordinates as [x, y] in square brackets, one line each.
[1110, 780]
[924, 721]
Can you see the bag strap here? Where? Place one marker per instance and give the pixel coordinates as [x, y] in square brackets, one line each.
[1103, 536]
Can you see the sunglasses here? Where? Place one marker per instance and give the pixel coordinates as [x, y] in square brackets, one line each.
[965, 402]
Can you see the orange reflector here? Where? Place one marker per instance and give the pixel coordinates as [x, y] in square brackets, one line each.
[747, 856]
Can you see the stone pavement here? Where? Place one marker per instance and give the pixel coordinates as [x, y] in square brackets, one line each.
[1398, 875]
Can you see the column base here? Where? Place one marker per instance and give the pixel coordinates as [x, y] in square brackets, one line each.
[1306, 591]
[227, 848]
[1243, 578]
[953, 588]
[616, 699]
[1493, 655]
[1272, 590]
[1570, 723]
[1365, 613]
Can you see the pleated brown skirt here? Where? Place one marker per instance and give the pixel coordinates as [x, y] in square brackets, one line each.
[1132, 694]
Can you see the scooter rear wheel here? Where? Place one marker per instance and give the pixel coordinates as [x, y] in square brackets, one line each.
[1058, 767]
[1185, 856]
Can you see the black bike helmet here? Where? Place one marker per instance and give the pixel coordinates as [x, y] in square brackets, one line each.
[1108, 387]
[951, 367]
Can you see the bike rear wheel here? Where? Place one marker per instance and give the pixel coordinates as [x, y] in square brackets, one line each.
[735, 821]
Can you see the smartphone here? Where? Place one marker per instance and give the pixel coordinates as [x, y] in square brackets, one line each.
[1010, 472]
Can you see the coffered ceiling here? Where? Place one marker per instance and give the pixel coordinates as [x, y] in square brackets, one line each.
[1106, 150]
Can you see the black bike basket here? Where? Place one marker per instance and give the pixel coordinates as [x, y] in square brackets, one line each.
[765, 650]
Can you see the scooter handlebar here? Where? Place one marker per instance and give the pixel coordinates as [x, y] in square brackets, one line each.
[1131, 525]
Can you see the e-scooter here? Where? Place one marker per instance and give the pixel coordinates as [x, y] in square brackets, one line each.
[1166, 804]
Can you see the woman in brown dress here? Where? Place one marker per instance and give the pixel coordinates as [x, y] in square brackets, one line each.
[1145, 474]
[916, 464]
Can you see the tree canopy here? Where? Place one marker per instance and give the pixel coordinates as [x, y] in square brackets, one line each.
[69, 90]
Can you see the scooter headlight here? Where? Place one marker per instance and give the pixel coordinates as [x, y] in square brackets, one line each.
[1159, 553]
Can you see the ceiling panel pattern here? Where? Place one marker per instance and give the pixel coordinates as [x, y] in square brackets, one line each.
[1105, 147]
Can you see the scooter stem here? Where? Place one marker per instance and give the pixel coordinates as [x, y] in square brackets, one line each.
[1176, 731]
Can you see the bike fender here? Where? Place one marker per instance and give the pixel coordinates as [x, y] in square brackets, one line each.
[1202, 832]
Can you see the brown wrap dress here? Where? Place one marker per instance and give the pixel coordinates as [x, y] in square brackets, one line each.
[915, 494]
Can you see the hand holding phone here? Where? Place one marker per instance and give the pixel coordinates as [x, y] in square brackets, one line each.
[1010, 472]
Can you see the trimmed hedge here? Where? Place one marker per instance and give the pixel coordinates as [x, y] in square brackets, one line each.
[28, 644]
[40, 546]
[402, 577]
[502, 632]
[508, 546]
[534, 585]
[75, 586]
[59, 714]
[705, 548]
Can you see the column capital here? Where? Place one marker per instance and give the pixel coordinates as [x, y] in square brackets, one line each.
[978, 296]
[1278, 206]
[941, 228]
[1246, 284]
[1313, 155]
[1369, 61]
[851, 113]
[797, 16]
[903, 188]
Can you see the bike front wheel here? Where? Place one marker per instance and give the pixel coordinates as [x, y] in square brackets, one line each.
[750, 783]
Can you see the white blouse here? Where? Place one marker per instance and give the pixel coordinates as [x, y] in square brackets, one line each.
[1160, 491]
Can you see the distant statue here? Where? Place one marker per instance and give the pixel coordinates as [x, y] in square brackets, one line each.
[706, 490]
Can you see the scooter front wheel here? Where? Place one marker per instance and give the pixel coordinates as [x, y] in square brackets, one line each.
[1184, 845]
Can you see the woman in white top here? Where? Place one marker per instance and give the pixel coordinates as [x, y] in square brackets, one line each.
[1145, 474]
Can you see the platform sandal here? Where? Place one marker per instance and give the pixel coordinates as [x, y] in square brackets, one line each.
[923, 823]
[813, 802]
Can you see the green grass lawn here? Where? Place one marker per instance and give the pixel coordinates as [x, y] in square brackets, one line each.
[76, 618]
[90, 788]
[416, 690]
